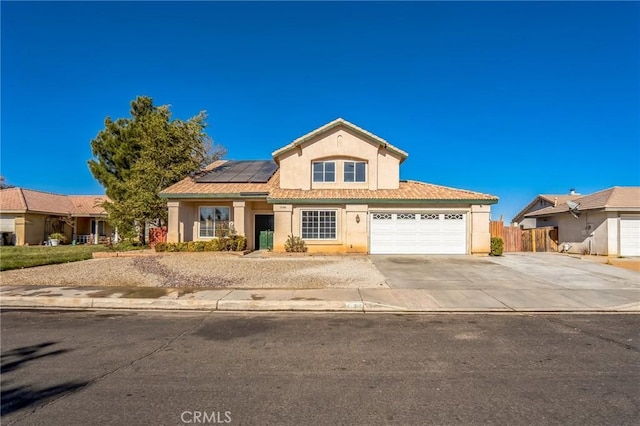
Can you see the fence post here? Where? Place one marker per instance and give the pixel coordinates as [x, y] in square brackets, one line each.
[533, 240]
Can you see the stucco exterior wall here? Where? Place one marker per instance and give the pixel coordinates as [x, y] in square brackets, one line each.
[480, 229]
[589, 231]
[33, 229]
[339, 144]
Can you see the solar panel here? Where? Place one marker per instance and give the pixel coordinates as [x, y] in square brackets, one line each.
[259, 171]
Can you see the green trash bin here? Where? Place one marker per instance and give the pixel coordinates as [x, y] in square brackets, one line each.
[266, 240]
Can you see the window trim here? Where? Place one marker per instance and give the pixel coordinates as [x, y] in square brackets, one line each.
[206, 237]
[355, 172]
[334, 211]
[324, 171]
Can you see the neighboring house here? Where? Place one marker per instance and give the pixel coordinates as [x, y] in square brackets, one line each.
[29, 217]
[339, 189]
[605, 222]
[540, 202]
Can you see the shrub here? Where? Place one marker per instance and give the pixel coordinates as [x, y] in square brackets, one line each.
[58, 236]
[497, 247]
[232, 243]
[241, 243]
[295, 245]
[212, 245]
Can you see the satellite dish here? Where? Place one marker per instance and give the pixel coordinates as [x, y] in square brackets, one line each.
[573, 208]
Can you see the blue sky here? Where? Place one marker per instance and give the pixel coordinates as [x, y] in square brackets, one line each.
[507, 98]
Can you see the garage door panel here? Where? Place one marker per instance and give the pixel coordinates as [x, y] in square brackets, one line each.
[7, 224]
[630, 236]
[425, 233]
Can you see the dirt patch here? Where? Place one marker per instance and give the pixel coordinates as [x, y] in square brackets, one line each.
[131, 293]
[172, 278]
[630, 264]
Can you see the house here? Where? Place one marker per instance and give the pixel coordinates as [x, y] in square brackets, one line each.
[28, 217]
[339, 189]
[540, 202]
[606, 222]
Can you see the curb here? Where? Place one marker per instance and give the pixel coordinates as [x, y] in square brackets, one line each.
[266, 306]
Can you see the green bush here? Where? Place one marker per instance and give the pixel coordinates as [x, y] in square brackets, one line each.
[231, 243]
[212, 245]
[497, 246]
[295, 245]
[58, 236]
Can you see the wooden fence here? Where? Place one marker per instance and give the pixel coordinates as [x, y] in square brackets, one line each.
[532, 240]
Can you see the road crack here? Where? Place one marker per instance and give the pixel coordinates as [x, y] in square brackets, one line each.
[114, 371]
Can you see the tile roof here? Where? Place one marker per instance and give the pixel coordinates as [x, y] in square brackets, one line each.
[21, 200]
[11, 199]
[552, 198]
[87, 205]
[409, 190]
[615, 198]
[189, 186]
[335, 123]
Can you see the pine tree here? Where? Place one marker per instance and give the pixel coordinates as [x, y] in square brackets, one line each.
[137, 157]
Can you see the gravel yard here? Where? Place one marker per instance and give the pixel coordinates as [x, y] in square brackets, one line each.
[207, 270]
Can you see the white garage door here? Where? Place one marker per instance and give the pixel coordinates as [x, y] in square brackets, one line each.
[630, 236]
[7, 224]
[418, 233]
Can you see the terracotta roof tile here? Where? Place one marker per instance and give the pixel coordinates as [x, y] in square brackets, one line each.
[88, 205]
[11, 200]
[20, 199]
[189, 186]
[408, 190]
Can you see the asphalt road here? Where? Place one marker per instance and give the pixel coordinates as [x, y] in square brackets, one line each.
[139, 368]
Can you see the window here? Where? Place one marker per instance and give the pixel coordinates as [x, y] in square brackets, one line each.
[355, 171]
[453, 216]
[213, 221]
[406, 216]
[324, 171]
[319, 224]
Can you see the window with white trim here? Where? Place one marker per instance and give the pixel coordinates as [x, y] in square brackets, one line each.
[355, 171]
[319, 224]
[324, 171]
[213, 221]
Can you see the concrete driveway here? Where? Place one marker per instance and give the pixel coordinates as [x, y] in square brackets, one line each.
[519, 281]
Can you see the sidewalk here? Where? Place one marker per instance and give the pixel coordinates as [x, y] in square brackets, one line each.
[347, 300]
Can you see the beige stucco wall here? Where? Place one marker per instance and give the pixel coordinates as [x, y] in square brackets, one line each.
[183, 221]
[34, 229]
[339, 145]
[587, 231]
[353, 236]
[480, 232]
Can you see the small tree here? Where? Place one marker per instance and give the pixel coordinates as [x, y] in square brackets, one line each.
[137, 157]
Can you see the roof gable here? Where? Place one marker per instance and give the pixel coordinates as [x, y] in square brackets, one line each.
[334, 124]
[614, 198]
[553, 199]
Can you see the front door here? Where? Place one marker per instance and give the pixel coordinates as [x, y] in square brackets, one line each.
[264, 222]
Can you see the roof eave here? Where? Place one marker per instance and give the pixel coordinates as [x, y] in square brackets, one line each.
[184, 195]
[377, 201]
[403, 155]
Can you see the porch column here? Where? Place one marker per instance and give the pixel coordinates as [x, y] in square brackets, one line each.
[74, 236]
[238, 217]
[96, 234]
[173, 223]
